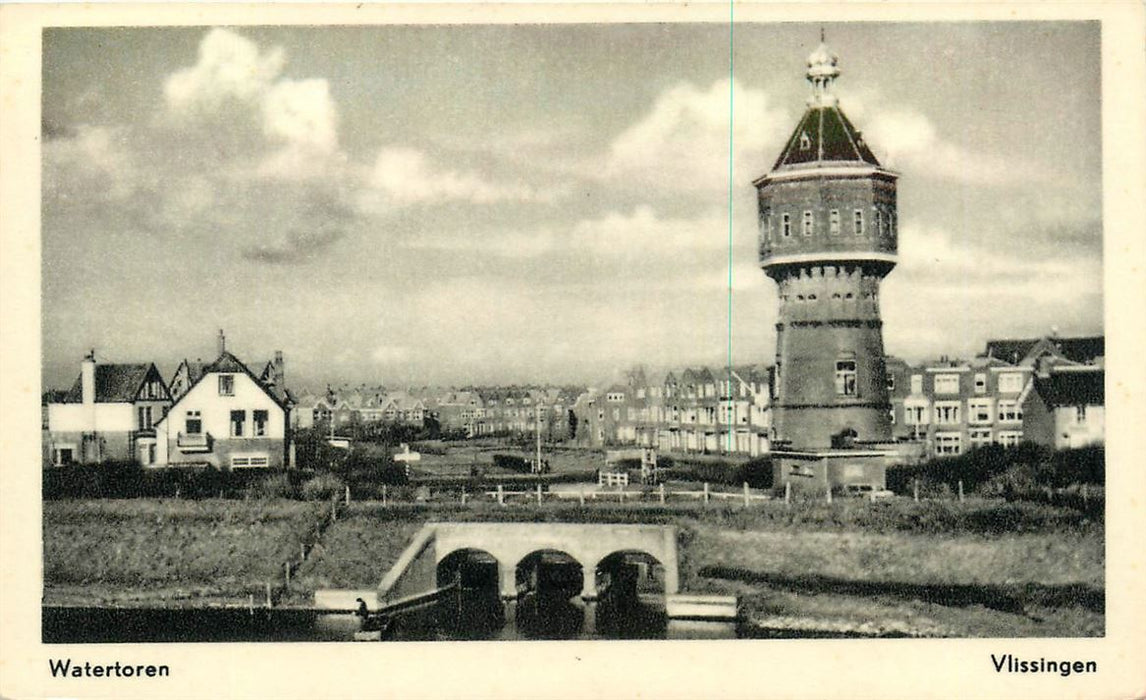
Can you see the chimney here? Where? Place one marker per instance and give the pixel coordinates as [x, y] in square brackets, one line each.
[278, 377]
[222, 343]
[87, 378]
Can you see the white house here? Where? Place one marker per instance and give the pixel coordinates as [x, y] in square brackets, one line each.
[227, 419]
[108, 415]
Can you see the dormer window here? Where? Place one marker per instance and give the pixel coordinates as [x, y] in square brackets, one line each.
[805, 141]
[226, 385]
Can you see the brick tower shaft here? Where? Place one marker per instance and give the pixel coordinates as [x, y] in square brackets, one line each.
[828, 237]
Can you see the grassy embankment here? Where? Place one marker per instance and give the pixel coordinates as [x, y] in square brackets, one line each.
[168, 551]
[938, 568]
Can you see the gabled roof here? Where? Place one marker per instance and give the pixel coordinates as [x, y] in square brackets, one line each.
[1073, 386]
[1084, 349]
[227, 363]
[824, 134]
[114, 383]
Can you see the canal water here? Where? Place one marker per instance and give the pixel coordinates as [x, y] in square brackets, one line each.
[471, 615]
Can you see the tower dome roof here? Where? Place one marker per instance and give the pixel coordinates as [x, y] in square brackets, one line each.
[824, 133]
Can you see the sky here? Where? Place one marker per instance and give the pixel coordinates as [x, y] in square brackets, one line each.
[532, 203]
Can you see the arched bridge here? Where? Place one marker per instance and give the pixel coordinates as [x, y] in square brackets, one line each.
[512, 544]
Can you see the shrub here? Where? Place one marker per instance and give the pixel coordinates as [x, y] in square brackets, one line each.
[273, 486]
[322, 488]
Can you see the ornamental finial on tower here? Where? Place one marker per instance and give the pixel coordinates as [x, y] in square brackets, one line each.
[822, 71]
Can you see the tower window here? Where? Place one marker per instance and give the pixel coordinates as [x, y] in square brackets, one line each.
[809, 222]
[834, 222]
[846, 378]
[786, 224]
[858, 221]
[878, 220]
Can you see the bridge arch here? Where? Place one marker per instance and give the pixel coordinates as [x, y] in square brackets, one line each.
[626, 573]
[550, 571]
[473, 567]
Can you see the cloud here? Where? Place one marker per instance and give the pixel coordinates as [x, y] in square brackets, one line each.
[230, 66]
[906, 139]
[91, 162]
[236, 98]
[406, 176]
[301, 231]
[683, 141]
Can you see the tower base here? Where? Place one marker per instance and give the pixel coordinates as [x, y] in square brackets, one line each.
[838, 470]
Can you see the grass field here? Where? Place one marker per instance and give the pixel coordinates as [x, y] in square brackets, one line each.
[157, 549]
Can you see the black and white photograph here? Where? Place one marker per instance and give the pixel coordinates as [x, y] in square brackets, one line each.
[635, 333]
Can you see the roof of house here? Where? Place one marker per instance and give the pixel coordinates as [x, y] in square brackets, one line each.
[114, 383]
[1072, 388]
[1083, 349]
[825, 134]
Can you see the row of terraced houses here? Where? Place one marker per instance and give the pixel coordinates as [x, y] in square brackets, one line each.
[225, 415]
[1045, 390]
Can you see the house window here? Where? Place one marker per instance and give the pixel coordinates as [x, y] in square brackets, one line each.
[226, 385]
[809, 222]
[63, 456]
[786, 225]
[144, 417]
[917, 383]
[193, 424]
[890, 382]
[979, 410]
[947, 412]
[979, 437]
[980, 383]
[857, 221]
[1010, 383]
[948, 443]
[251, 461]
[834, 222]
[846, 378]
[1080, 414]
[1010, 438]
[915, 415]
[260, 421]
[238, 418]
[1010, 412]
[947, 384]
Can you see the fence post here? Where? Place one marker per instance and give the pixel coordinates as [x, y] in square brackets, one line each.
[787, 492]
[500, 495]
[829, 492]
[581, 494]
[539, 494]
[915, 489]
[286, 568]
[302, 551]
[1083, 491]
[333, 511]
[662, 494]
[960, 490]
[747, 501]
[269, 601]
[251, 603]
[383, 494]
[348, 494]
[706, 492]
[463, 495]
